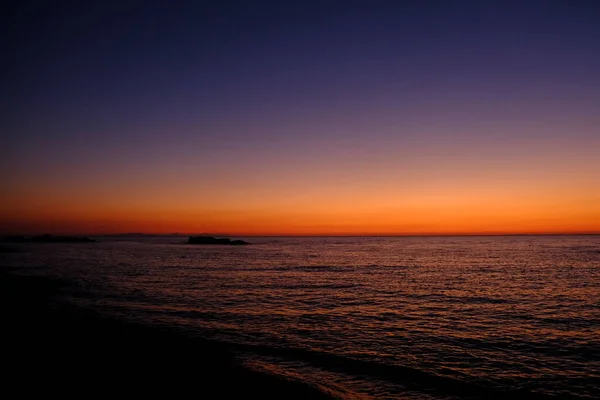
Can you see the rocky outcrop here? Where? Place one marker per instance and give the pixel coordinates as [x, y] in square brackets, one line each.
[214, 240]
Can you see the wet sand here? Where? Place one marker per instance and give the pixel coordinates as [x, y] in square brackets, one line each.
[67, 351]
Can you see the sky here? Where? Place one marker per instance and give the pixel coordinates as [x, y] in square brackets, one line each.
[300, 117]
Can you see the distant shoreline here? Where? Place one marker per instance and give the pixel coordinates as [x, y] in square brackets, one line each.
[183, 235]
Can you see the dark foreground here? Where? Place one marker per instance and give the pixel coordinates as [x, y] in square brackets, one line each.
[61, 350]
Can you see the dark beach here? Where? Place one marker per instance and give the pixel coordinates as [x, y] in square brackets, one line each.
[57, 349]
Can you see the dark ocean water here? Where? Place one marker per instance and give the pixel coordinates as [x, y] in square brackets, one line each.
[363, 317]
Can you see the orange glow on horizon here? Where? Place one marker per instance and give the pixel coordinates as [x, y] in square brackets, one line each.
[437, 215]
[543, 193]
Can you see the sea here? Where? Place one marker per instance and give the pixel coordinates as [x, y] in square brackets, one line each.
[416, 318]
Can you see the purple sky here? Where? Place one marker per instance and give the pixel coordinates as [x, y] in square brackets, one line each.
[145, 97]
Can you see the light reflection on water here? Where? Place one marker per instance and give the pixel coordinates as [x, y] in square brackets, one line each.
[520, 312]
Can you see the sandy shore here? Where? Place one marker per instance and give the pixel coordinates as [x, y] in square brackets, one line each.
[49, 350]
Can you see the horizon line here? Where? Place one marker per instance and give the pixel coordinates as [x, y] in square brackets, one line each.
[221, 234]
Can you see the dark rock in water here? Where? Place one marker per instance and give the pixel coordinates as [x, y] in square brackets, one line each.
[214, 240]
[46, 239]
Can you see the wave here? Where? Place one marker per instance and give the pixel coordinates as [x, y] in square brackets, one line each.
[410, 378]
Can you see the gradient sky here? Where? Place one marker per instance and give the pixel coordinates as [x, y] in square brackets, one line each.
[329, 117]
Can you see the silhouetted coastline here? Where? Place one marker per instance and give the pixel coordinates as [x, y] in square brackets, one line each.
[214, 240]
[61, 349]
